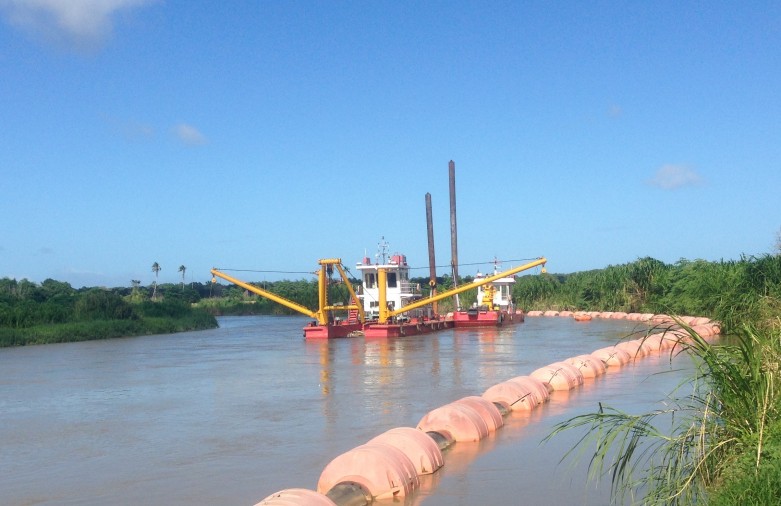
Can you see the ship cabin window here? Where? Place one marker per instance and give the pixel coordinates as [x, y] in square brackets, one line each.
[391, 280]
[370, 281]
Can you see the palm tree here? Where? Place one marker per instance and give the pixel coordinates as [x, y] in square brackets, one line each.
[182, 269]
[156, 269]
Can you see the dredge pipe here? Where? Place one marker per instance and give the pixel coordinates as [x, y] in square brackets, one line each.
[349, 493]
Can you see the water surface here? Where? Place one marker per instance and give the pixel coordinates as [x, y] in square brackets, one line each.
[231, 415]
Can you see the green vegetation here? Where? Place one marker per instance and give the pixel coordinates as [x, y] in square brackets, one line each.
[734, 292]
[722, 442]
[55, 312]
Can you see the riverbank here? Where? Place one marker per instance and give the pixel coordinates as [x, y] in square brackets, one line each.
[105, 329]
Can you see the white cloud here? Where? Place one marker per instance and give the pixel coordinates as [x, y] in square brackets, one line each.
[75, 23]
[189, 135]
[670, 177]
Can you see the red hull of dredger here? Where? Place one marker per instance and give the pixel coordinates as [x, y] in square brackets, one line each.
[469, 319]
[412, 328]
[333, 330]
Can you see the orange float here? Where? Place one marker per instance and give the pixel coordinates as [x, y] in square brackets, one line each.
[486, 409]
[588, 365]
[612, 357]
[559, 375]
[421, 449]
[385, 471]
[517, 397]
[463, 422]
[541, 391]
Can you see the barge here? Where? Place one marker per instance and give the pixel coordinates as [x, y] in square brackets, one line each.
[387, 303]
[493, 307]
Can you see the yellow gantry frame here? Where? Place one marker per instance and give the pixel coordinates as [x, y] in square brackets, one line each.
[385, 314]
[322, 314]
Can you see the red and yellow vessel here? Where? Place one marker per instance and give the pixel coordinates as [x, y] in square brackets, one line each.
[494, 305]
[387, 304]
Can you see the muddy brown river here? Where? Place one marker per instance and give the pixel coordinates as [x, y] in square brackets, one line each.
[231, 415]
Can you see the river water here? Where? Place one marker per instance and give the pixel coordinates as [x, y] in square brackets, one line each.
[231, 415]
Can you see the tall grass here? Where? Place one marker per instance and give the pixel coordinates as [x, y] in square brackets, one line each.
[718, 442]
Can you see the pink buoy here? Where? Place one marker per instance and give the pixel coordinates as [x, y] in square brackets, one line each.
[421, 450]
[676, 337]
[662, 319]
[383, 470]
[517, 397]
[647, 348]
[687, 320]
[633, 348]
[589, 366]
[296, 497]
[559, 375]
[540, 390]
[656, 342]
[486, 409]
[460, 420]
[612, 357]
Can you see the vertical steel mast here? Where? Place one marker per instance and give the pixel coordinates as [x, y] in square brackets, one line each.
[453, 229]
[432, 265]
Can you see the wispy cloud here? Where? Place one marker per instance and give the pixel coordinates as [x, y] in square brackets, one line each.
[75, 24]
[130, 129]
[671, 177]
[615, 111]
[189, 135]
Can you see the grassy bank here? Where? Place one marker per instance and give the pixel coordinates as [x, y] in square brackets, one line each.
[723, 446]
[54, 312]
[104, 329]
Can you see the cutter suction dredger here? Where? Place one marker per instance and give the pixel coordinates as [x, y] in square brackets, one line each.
[384, 316]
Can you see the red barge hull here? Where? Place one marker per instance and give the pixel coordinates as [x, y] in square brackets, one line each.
[333, 330]
[472, 319]
[405, 329]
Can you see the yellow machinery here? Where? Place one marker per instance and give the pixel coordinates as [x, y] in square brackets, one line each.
[386, 314]
[323, 313]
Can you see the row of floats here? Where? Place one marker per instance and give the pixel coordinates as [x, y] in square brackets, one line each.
[390, 465]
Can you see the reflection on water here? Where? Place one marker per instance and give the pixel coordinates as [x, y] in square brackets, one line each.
[231, 415]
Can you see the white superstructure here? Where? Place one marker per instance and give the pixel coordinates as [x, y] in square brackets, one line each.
[502, 292]
[399, 290]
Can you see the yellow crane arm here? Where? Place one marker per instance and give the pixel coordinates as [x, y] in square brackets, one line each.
[385, 314]
[263, 293]
[353, 297]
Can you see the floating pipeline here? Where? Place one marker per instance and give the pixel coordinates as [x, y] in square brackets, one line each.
[390, 465]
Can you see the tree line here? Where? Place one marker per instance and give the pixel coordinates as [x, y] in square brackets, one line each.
[54, 311]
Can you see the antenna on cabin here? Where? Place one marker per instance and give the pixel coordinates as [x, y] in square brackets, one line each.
[382, 251]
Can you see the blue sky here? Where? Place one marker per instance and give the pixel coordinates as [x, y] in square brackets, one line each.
[267, 135]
